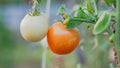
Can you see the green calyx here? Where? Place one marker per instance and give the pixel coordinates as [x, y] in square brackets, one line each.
[35, 13]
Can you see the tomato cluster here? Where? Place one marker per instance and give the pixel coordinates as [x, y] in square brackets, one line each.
[35, 26]
[60, 40]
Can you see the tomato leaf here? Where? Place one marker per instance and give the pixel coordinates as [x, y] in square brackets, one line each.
[90, 6]
[72, 23]
[79, 18]
[102, 23]
[61, 10]
[81, 14]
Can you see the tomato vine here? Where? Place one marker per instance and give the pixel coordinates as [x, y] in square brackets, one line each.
[102, 20]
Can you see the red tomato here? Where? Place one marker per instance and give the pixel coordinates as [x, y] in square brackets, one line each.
[62, 41]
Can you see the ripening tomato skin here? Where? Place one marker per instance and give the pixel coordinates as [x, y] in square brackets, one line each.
[62, 41]
[34, 28]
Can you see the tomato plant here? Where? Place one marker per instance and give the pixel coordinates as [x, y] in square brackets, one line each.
[100, 20]
[63, 37]
[62, 41]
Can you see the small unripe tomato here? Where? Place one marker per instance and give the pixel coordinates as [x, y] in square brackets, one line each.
[62, 41]
[34, 28]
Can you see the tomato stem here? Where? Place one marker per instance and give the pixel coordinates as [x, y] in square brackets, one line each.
[35, 8]
[44, 57]
[117, 29]
[83, 20]
[48, 8]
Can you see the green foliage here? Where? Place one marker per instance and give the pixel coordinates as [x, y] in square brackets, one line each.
[91, 6]
[72, 23]
[79, 17]
[102, 23]
[80, 13]
[61, 10]
[110, 2]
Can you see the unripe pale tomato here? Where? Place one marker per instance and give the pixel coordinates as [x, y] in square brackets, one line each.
[34, 28]
[62, 41]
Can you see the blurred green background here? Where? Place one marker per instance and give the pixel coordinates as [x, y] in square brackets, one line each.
[15, 52]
